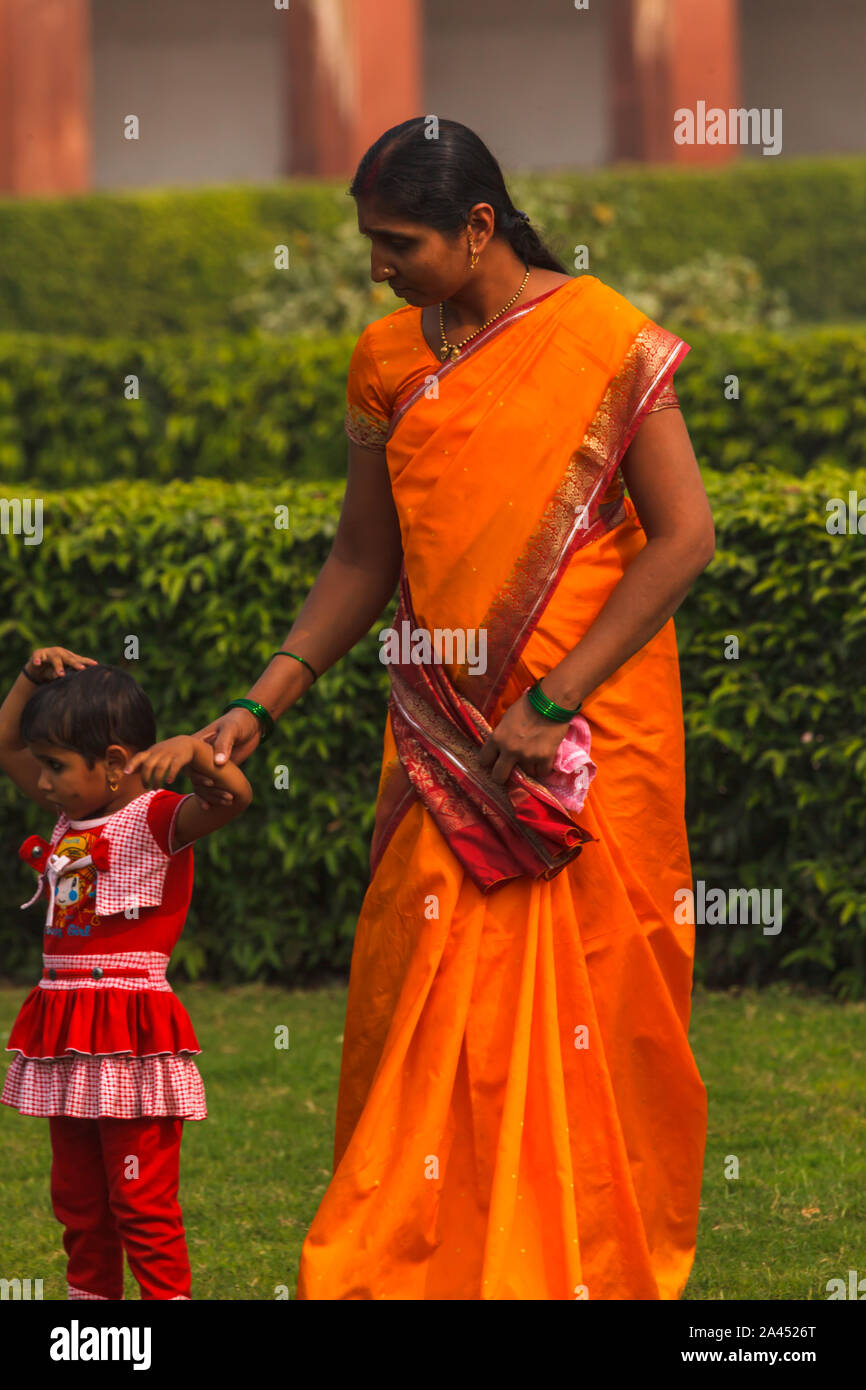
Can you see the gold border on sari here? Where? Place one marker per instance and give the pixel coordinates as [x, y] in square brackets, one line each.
[575, 515]
[364, 429]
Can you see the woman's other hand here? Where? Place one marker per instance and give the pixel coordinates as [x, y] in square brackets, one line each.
[523, 738]
[50, 663]
[234, 735]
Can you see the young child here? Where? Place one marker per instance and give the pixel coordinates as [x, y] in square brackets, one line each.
[105, 1049]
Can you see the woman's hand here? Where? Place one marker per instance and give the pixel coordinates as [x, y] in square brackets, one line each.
[49, 663]
[162, 761]
[234, 735]
[524, 737]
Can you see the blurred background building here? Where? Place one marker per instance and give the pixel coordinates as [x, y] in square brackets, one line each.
[229, 91]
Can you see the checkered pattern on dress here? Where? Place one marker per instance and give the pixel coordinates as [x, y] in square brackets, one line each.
[114, 1085]
[120, 1087]
[137, 867]
[154, 962]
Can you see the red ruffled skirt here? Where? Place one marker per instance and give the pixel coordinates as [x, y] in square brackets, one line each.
[111, 1046]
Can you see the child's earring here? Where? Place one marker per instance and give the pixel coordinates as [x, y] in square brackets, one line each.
[112, 786]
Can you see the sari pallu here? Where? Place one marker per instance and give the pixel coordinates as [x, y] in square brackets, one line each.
[576, 504]
[496, 833]
[520, 1115]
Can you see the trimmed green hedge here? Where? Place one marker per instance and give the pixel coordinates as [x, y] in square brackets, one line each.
[141, 264]
[147, 262]
[776, 751]
[244, 405]
[776, 748]
[236, 406]
[802, 398]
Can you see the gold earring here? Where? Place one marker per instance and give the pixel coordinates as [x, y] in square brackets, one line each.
[112, 786]
[474, 260]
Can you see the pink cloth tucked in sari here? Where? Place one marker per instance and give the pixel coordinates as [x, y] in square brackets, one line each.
[573, 768]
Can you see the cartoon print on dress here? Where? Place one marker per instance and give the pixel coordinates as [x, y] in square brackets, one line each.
[75, 900]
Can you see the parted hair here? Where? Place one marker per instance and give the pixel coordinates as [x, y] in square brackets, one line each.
[437, 182]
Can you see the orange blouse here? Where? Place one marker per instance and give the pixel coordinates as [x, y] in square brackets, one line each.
[375, 380]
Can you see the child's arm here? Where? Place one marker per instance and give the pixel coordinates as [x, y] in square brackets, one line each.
[16, 759]
[165, 760]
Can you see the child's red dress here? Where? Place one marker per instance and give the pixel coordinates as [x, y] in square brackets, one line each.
[103, 1033]
[105, 1048]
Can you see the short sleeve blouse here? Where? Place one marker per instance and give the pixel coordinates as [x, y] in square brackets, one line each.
[368, 409]
[384, 364]
[666, 399]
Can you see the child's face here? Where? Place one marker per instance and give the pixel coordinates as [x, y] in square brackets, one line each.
[76, 789]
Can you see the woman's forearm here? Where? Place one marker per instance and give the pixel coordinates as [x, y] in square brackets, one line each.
[649, 592]
[339, 610]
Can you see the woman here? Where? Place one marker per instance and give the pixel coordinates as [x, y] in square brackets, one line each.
[520, 1115]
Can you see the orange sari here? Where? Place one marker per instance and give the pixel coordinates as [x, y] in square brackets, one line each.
[520, 1115]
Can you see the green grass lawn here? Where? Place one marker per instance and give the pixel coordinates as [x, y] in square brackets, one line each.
[784, 1072]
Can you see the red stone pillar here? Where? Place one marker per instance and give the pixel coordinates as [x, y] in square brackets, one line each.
[45, 144]
[625, 115]
[354, 69]
[666, 55]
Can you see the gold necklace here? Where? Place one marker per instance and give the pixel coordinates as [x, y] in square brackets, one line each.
[453, 349]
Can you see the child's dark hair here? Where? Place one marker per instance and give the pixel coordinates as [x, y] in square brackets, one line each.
[88, 710]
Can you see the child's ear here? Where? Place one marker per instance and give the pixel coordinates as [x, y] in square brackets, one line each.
[118, 755]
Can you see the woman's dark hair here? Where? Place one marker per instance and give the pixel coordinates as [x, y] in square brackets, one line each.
[88, 710]
[438, 181]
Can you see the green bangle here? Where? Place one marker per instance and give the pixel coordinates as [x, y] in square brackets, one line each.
[259, 711]
[297, 658]
[539, 701]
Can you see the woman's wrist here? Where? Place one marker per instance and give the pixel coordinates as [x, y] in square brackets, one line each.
[561, 688]
[266, 723]
[281, 684]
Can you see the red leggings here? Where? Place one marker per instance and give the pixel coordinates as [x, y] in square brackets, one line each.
[114, 1187]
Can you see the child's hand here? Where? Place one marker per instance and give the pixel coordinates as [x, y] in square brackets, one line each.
[163, 761]
[233, 736]
[47, 663]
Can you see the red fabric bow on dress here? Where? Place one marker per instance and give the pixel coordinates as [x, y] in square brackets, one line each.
[37, 852]
[100, 852]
